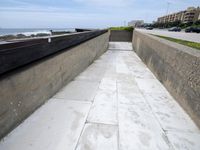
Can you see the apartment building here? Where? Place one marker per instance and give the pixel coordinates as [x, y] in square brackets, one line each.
[192, 14]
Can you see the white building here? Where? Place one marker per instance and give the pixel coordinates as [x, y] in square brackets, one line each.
[136, 23]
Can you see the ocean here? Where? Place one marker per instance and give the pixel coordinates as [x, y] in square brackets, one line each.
[27, 32]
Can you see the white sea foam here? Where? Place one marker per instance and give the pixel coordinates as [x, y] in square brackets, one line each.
[29, 32]
[36, 32]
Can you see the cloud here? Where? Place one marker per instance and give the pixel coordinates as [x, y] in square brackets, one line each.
[16, 2]
[83, 13]
[33, 8]
[106, 3]
[56, 20]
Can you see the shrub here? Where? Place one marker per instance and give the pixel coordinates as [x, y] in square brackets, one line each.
[122, 28]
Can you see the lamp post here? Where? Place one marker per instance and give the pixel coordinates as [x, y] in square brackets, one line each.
[124, 23]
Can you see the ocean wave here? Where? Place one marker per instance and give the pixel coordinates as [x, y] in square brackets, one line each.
[36, 32]
[29, 32]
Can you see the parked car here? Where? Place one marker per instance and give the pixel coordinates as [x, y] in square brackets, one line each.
[192, 29]
[149, 28]
[175, 29]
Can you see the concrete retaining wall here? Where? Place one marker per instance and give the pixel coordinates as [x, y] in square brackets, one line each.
[176, 66]
[121, 36]
[23, 90]
[15, 54]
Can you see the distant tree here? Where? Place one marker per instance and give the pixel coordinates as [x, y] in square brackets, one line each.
[182, 25]
[197, 22]
[176, 23]
[170, 24]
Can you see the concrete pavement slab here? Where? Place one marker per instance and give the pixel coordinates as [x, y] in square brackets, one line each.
[170, 115]
[184, 140]
[150, 86]
[98, 137]
[139, 129]
[79, 90]
[55, 126]
[104, 108]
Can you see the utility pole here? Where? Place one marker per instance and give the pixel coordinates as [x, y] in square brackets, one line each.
[168, 4]
[146, 17]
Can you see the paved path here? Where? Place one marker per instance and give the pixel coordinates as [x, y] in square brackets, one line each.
[194, 37]
[116, 103]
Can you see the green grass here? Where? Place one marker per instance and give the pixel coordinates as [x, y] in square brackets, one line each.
[122, 28]
[183, 42]
[184, 27]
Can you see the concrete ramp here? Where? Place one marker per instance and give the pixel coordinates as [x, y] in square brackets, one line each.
[115, 104]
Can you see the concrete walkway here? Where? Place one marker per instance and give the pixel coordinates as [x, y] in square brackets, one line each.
[116, 103]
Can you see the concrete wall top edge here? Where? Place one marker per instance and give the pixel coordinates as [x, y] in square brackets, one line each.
[180, 47]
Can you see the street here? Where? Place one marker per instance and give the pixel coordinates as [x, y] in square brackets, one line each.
[194, 37]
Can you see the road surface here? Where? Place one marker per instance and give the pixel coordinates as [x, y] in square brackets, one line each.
[194, 37]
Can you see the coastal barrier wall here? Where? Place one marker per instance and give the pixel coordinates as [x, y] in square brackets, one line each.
[15, 54]
[29, 84]
[121, 36]
[176, 66]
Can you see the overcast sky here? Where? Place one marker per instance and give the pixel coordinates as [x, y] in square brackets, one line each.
[84, 13]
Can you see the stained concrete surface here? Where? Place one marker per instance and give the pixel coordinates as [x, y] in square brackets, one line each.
[25, 89]
[115, 104]
[55, 126]
[175, 65]
[120, 36]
